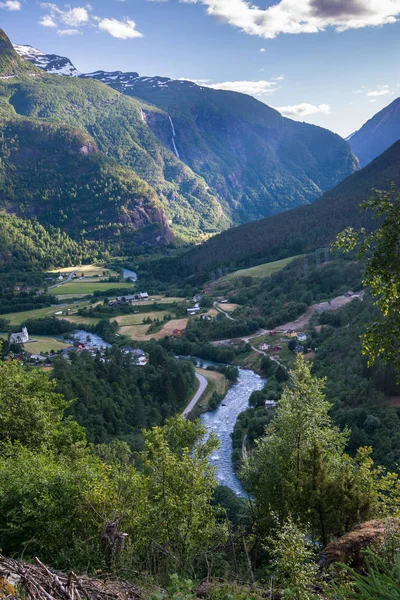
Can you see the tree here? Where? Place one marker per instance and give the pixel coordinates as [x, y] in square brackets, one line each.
[299, 467]
[293, 561]
[179, 486]
[382, 274]
[31, 412]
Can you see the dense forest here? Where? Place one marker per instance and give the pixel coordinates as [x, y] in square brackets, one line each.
[294, 232]
[115, 399]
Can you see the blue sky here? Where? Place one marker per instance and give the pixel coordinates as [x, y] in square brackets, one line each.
[334, 63]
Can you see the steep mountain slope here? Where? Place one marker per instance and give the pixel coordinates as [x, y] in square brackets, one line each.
[256, 162]
[300, 230]
[11, 64]
[25, 245]
[149, 185]
[378, 134]
[56, 174]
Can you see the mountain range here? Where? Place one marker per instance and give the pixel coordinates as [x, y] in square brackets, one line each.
[378, 134]
[119, 160]
[254, 161]
[297, 231]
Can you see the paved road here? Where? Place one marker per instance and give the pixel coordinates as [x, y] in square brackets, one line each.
[203, 383]
[69, 278]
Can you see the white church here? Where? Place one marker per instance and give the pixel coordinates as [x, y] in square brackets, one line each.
[20, 338]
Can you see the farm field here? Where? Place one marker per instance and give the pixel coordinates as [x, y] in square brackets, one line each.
[161, 300]
[229, 307]
[45, 344]
[19, 317]
[261, 271]
[87, 270]
[82, 287]
[81, 320]
[139, 332]
[127, 320]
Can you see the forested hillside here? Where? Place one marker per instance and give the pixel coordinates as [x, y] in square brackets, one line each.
[256, 162]
[300, 230]
[26, 245]
[55, 174]
[108, 126]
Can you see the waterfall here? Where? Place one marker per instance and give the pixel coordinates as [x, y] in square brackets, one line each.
[173, 137]
[142, 114]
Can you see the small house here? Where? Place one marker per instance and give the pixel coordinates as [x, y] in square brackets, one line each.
[60, 278]
[298, 350]
[301, 336]
[135, 352]
[270, 404]
[37, 358]
[291, 333]
[264, 346]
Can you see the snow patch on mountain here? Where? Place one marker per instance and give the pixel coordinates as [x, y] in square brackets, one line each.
[52, 63]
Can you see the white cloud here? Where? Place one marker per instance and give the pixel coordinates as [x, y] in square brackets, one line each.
[382, 90]
[47, 21]
[68, 31]
[262, 49]
[70, 21]
[302, 16]
[75, 16]
[11, 5]
[303, 110]
[253, 88]
[122, 30]
[72, 17]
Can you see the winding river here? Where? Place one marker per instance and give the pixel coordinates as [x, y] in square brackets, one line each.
[222, 421]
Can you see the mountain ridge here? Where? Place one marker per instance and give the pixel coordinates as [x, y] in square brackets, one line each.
[377, 134]
[254, 161]
[300, 230]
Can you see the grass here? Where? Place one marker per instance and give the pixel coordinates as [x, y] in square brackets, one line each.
[79, 320]
[139, 332]
[45, 344]
[127, 320]
[80, 287]
[87, 270]
[228, 307]
[217, 382]
[262, 271]
[19, 317]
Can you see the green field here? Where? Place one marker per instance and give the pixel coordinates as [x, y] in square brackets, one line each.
[86, 270]
[45, 344]
[261, 271]
[19, 317]
[137, 319]
[80, 287]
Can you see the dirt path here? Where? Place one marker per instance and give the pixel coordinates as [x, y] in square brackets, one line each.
[334, 304]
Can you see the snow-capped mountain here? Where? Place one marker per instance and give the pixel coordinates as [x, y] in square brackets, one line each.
[121, 81]
[52, 63]
[125, 82]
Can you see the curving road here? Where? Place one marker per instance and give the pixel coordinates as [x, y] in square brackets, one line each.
[203, 383]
